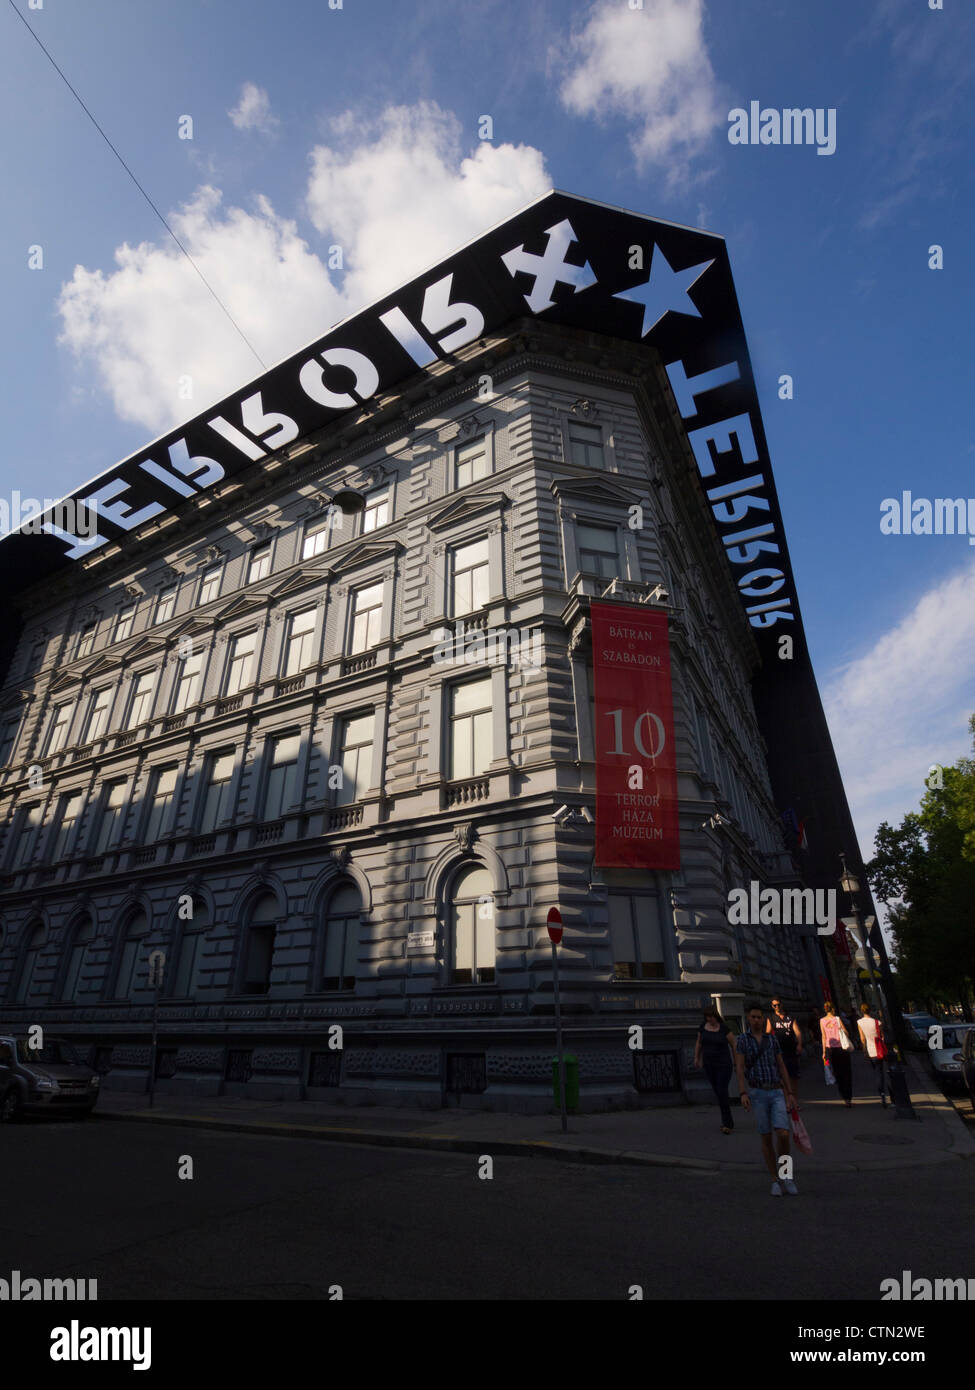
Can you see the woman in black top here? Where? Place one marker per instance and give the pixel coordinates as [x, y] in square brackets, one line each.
[715, 1050]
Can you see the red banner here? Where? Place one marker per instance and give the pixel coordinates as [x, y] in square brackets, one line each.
[636, 761]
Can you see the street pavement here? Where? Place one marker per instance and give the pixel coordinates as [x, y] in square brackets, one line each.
[863, 1138]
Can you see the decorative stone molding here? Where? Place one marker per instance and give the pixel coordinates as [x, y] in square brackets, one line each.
[465, 835]
[585, 408]
[469, 426]
[91, 613]
[344, 857]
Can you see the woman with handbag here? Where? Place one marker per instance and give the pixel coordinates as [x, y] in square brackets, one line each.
[871, 1032]
[836, 1052]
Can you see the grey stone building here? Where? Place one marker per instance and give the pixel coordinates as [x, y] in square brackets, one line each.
[236, 735]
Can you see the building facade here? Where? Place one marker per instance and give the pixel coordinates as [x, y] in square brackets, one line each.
[338, 764]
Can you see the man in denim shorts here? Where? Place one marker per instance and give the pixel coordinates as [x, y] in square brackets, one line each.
[764, 1086]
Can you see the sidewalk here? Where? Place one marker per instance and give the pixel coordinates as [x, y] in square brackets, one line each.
[864, 1138]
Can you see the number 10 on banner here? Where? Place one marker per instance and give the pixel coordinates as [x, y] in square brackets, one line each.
[655, 728]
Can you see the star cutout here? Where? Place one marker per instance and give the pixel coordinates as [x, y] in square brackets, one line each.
[665, 290]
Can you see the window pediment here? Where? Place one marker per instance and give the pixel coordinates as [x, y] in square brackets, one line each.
[594, 487]
[304, 579]
[248, 603]
[368, 554]
[481, 503]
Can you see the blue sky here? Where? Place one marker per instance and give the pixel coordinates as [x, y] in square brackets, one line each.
[314, 127]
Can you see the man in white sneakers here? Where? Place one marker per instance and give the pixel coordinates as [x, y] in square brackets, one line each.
[764, 1086]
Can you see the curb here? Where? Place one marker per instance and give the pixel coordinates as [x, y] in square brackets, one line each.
[512, 1148]
[962, 1143]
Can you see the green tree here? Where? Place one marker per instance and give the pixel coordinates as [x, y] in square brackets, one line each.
[928, 864]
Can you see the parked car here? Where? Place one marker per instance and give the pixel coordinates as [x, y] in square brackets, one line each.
[947, 1061]
[968, 1062]
[44, 1081]
[917, 1027]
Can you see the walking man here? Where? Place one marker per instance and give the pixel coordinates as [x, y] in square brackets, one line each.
[871, 1032]
[789, 1036]
[765, 1087]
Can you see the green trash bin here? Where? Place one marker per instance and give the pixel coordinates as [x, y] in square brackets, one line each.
[571, 1082]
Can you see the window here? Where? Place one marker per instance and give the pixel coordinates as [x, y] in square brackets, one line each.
[210, 585]
[86, 640]
[35, 657]
[357, 735]
[81, 939]
[8, 739]
[97, 715]
[187, 682]
[123, 624]
[260, 563]
[30, 824]
[470, 462]
[67, 820]
[216, 803]
[472, 945]
[36, 941]
[110, 818]
[598, 550]
[585, 444]
[166, 605]
[282, 778]
[298, 645]
[634, 930]
[186, 980]
[470, 729]
[703, 742]
[366, 617]
[58, 734]
[259, 946]
[161, 798]
[376, 512]
[240, 662]
[141, 706]
[130, 978]
[341, 938]
[470, 586]
[316, 538]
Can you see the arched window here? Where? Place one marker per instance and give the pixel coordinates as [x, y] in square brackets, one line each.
[129, 978]
[79, 941]
[186, 976]
[341, 938]
[259, 945]
[24, 982]
[471, 926]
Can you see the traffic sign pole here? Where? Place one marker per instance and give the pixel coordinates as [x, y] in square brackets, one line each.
[555, 934]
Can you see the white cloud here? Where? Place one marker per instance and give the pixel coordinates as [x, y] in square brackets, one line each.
[151, 322]
[253, 110]
[651, 68]
[904, 705]
[401, 194]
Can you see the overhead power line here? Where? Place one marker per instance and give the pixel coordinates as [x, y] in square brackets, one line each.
[138, 185]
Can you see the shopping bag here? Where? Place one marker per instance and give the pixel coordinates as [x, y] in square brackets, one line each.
[799, 1133]
[881, 1047]
[830, 1078]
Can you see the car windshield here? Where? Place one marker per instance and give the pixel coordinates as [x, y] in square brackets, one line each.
[51, 1054]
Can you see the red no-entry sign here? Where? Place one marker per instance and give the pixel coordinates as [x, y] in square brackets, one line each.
[555, 925]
